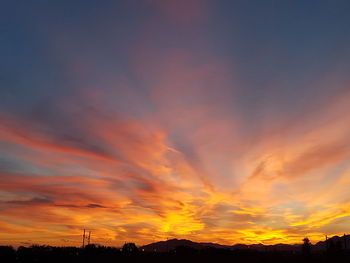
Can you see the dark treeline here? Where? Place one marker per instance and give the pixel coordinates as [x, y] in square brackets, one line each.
[130, 253]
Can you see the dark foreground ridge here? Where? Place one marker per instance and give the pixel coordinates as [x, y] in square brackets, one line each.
[335, 249]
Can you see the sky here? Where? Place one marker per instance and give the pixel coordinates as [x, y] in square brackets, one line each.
[140, 120]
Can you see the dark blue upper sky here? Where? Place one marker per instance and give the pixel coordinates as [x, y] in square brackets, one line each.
[277, 47]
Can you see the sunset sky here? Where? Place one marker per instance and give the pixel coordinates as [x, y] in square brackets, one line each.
[216, 121]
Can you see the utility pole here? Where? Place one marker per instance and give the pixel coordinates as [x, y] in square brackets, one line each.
[84, 239]
[89, 238]
[345, 241]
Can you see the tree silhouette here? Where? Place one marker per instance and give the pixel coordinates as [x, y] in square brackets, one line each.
[130, 248]
[306, 247]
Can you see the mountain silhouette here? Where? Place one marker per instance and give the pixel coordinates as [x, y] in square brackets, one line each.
[342, 241]
[171, 244]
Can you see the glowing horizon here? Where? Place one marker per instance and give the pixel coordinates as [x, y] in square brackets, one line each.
[141, 121]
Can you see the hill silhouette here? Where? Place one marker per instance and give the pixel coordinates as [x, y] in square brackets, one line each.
[171, 244]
